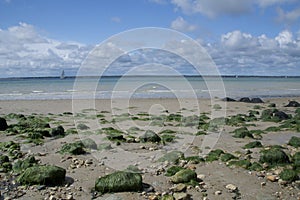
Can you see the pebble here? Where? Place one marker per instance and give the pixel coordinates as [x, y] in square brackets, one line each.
[231, 187]
[218, 192]
[180, 196]
[179, 187]
[153, 197]
[200, 176]
[263, 183]
[272, 178]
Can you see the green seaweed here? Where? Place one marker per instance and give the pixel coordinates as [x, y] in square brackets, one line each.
[289, 175]
[254, 144]
[171, 171]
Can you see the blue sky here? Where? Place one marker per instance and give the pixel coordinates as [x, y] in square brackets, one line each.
[249, 37]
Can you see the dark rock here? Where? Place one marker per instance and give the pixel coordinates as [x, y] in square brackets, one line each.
[255, 144]
[256, 100]
[58, 131]
[214, 155]
[119, 182]
[228, 99]
[3, 124]
[3, 159]
[150, 136]
[242, 133]
[281, 115]
[184, 176]
[293, 104]
[273, 115]
[42, 175]
[245, 99]
[75, 148]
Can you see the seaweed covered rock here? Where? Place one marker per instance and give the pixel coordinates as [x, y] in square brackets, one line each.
[150, 136]
[254, 144]
[274, 156]
[294, 141]
[171, 171]
[227, 156]
[172, 157]
[293, 104]
[22, 165]
[119, 182]
[214, 155]
[3, 124]
[58, 131]
[75, 148]
[42, 175]
[89, 143]
[242, 133]
[274, 115]
[184, 176]
[289, 175]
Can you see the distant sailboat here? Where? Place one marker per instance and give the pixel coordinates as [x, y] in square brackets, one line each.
[62, 76]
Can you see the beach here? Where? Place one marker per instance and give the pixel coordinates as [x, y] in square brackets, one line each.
[213, 177]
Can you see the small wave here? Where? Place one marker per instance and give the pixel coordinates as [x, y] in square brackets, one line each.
[37, 91]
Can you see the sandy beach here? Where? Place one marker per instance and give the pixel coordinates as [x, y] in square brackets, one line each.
[133, 118]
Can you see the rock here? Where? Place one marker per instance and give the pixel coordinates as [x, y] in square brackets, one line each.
[69, 197]
[245, 100]
[171, 171]
[274, 156]
[89, 143]
[104, 146]
[184, 176]
[218, 192]
[179, 187]
[294, 141]
[3, 124]
[21, 165]
[150, 136]
[75, 148]
[289, 175]
[293, 104]
[254, 144]
[200, 176]
[58, 131]
[153, 197]
[271, 178]
[181, 196]
[256, 100]
[231, 187]
[43, 175]
[119, 182]
[228, 99]
[281, 115]
[172, 157]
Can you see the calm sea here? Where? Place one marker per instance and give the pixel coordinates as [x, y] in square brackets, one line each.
[147, 87]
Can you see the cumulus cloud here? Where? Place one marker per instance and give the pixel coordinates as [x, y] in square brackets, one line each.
[242, 53]
[180, 24]
[23, 51]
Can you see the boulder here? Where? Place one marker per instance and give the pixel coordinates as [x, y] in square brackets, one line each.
[281, 115]
[293, 104]
[274, 156]
[119, 182]
[294, 141]
[256, 100]
[58, 131]
[3, 124]
[89, 143]
[228, 99]
[172, 157]
[150, 136]
[245, 100]
[184, 176]
[42, 175]
[75, 148]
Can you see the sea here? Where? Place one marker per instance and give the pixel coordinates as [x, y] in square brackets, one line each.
[48, 88]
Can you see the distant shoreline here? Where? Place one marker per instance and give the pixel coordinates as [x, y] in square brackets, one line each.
[187, 76]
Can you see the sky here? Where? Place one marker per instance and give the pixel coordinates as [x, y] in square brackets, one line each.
[243, 37]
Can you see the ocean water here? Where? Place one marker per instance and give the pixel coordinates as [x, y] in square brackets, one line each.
[147, 87]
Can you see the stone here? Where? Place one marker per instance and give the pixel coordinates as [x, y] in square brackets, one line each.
[75, 148]
[89, 143]
[3, 124]
[274, 156]
[218, 192]
[228, 99]
[119, 182]
[245, 100]
[256, 100]
[179, 187]
[150, 136]
[58, 131]
[231, 187]
[271, 178]
[180, 196]
[43, 175]
[171, 157]
[184, 176]
[293, 104]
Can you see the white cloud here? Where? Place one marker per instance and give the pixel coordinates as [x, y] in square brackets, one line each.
[26, 53]
[265, 3]
[180, 24]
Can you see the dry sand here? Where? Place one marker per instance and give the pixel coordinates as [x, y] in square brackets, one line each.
[82, 179]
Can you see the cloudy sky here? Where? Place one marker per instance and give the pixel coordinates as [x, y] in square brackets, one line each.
[247, 37]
